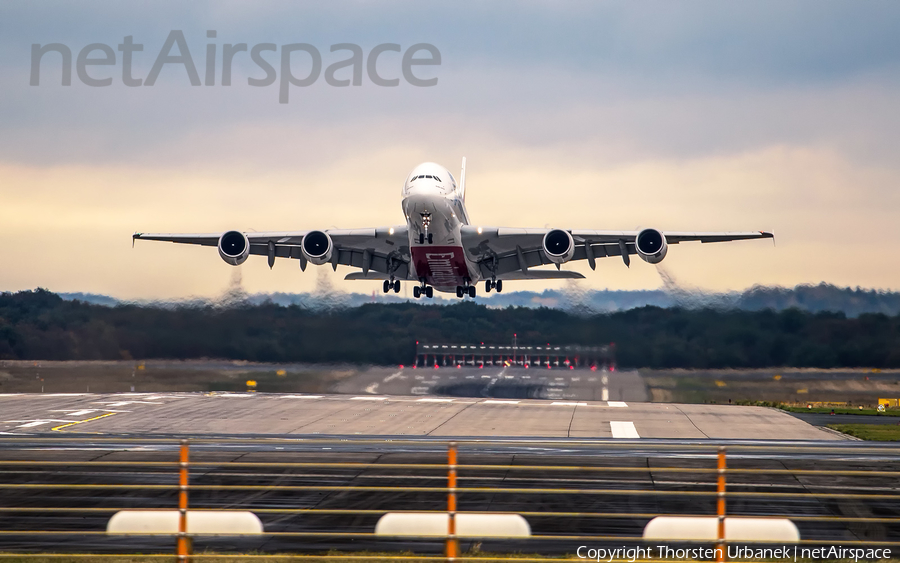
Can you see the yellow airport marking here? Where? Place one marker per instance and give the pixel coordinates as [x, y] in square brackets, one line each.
[59, 428]
[721, 384]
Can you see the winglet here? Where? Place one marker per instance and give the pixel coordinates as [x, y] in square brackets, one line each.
[134, 237]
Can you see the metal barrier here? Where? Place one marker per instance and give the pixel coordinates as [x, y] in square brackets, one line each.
[693, 473]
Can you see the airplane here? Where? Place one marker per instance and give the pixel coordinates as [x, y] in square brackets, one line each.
[439, 248]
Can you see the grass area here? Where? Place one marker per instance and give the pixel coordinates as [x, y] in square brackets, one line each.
[842, 410]
[870, 432]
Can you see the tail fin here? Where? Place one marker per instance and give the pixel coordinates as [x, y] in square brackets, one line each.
[462, 181]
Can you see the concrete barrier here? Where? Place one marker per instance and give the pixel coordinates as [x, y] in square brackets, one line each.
[707, 527]
[467, 525]
[198, 522]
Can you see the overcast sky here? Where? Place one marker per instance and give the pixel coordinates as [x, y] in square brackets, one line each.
[608, 115]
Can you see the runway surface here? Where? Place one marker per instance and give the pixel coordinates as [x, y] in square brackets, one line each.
[614, 488]
[384, 415]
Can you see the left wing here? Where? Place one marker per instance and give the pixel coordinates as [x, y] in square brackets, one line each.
[504, 252]
[382, 250]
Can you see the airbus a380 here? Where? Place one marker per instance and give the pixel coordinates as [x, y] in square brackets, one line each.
[439, 248]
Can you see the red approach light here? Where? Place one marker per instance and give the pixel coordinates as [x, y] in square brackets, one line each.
[481, 366]
[435, 366]
[612, 368]
[401, 366]
[593, 368]
[414, 366]
[571, 367]
[548, 366]
[458, 366]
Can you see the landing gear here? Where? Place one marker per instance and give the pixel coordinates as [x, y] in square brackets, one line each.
[391, 284]
[467, 289]
[430, 238]
[493, 284]
[421, 238]
[499, 286]
[422, 289]
[487, 286]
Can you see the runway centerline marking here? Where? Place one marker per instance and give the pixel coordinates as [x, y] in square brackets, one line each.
[368, 398]
[493, 402]
[568, 403]
[604, 394]
[301, 396]
[622, 429]
[620, 404]
[59, 428]
[430, 400]
[392, 376]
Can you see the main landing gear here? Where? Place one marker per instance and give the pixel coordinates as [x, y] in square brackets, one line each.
[391, 284]
[467, 289]
[420, 290]
[492, 284]
[422, 238]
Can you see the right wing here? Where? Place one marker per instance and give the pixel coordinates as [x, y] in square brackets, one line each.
[383, 250]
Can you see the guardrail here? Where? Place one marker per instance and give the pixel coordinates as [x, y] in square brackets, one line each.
[685, 479]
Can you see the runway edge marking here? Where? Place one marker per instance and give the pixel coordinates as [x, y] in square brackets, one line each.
[59, 428]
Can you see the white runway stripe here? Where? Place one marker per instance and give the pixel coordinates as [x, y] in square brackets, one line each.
[301, 397]
[623, 429]
[368, 398]
[621, 404]
[567, 403]
[604, 395]
[429, 400]
[493, 402]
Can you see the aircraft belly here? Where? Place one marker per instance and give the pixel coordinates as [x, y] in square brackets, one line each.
[443, 267]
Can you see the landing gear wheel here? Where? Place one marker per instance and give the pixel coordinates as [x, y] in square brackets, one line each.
[429, 292]
[459, 291]
[472, 291]
[430, 238]
[499, 286]
[396, 287]
[487, 286]
[421, 238]
[417, 292]
[387, 286]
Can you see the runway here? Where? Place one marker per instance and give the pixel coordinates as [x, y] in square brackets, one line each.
[245, 414]
[610, 489]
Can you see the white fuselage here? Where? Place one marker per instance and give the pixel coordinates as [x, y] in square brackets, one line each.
[435, 209]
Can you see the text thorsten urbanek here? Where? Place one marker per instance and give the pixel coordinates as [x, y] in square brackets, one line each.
[420, 54]
[733, 553]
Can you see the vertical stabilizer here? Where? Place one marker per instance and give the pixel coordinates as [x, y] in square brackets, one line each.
[462, 181]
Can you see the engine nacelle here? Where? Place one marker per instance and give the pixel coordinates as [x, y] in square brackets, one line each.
[559, 246]
[317, 247]
[651, 246]
[234, 247]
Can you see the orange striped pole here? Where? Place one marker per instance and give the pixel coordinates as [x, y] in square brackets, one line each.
[720, 493]
[452, 542]
[183, 545]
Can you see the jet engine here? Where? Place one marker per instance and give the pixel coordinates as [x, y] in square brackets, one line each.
[317, 247]
[559, 246]
[234, 247]
[651, 246]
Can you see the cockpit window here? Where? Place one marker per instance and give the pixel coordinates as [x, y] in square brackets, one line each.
[436, 178]
[428, 177]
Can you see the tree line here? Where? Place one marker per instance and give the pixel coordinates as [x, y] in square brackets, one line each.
[39, 325]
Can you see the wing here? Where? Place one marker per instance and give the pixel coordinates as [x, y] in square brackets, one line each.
[378, 252]
[507, 252]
